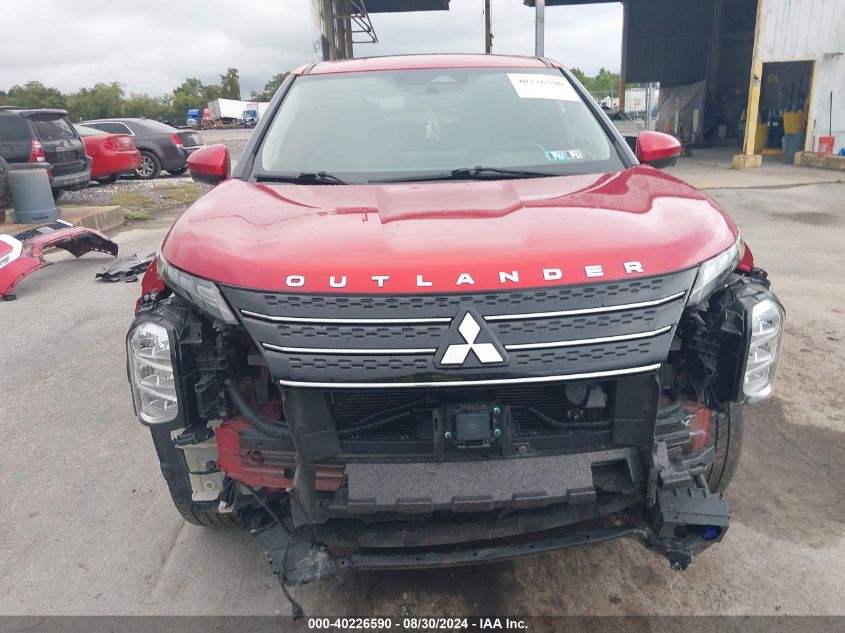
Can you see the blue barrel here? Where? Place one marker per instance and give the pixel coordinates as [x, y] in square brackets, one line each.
[792, 143]
[32, 198]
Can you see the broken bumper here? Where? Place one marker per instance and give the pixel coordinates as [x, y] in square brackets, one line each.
[22, 254]
[410, 515]
[677, 530]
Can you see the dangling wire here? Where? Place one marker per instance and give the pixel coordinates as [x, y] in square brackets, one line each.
[296, 609]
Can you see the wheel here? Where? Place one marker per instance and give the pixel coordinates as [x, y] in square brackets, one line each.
[175, 472]
[57, 194]
[726, 434]
[177, 172]
[108, 180]
[150, 166]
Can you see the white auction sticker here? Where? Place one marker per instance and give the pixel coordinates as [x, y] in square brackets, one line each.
[530, 86]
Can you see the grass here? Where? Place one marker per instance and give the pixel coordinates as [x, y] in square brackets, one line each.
[136, 216]
[138, 203]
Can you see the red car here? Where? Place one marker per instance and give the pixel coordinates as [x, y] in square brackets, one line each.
[442, 314]
[111, 154]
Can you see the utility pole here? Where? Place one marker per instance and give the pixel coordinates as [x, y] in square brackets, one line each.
[488, 27]
[539, 27]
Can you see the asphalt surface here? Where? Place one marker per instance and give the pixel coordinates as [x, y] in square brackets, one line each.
[235, 140]
[87, 526]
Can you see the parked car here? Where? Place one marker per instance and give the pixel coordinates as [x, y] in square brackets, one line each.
[5, 194]
[468, 326]
[628, 127]
[162, 146]
[111, 154]
[29, 135]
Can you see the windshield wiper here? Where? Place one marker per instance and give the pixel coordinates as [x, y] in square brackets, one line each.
[303, 178]
[465, 173]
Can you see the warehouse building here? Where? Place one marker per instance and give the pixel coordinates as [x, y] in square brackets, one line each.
[720, 64]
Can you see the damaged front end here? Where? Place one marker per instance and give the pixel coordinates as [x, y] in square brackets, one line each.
[22, 254]
[266, 409]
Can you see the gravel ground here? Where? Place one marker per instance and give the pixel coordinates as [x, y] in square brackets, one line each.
[97, 194]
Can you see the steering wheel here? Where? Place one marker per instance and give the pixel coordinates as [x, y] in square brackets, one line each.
[531, 145]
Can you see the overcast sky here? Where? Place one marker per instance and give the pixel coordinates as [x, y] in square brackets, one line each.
[152, 45]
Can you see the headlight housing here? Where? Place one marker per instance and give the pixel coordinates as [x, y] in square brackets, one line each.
[714, 271]
[151, 373]
[765, 331]
[201, 293]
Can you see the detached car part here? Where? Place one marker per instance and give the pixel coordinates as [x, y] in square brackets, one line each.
[22, 254]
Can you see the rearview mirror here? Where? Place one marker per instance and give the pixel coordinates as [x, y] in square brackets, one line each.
[210, 165]
[658, 149]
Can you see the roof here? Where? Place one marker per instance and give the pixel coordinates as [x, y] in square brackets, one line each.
[396, 6]
[27, 112]
[560, 3]
[116, 119]
[423, 62]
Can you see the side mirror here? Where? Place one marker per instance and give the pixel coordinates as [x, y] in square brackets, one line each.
[658, 149]
[210, 165]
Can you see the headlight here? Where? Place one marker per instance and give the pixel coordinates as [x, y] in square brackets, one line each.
[15, 250]
[714, 271]
[200, 292]
[764, 347]
[151, 374]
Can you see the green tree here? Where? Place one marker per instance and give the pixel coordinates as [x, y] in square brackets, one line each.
[605, 82]
[36, 95]
[270, 88]
[190, 94]
[210, 92]
[147, 107]
[581, 76]
[104, 100]
[230, 84]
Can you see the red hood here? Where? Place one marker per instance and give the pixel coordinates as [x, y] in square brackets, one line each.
[455, 235]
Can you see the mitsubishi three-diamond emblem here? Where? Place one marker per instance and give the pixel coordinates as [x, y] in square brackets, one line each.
[469, 342]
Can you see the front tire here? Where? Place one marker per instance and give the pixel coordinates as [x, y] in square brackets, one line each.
[175, 472]
[150, 166]
[108, 180]
[726, 435]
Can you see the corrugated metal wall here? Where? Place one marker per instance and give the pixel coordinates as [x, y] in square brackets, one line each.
[811, 29]
[668, 40]
[795, 29]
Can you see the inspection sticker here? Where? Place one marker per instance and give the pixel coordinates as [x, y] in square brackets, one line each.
[530, 86]
[564, 154]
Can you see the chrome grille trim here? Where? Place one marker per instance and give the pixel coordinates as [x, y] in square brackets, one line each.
[581, 312]
[468, 383]
[283, 319]
[589, 341]
[341, 351]
[350, 352]
[495, 317]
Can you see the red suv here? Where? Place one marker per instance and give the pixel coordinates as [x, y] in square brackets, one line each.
[442, 314]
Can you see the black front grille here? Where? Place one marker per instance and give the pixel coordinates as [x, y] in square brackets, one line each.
[531, 409]
[353, 341]
[446, 305]
[38, 231]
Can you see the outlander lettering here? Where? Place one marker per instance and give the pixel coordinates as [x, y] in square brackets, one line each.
[465, 278]
[441, 313]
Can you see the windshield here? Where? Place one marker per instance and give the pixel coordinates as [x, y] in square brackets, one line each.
[53, 129]
[416, 124]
